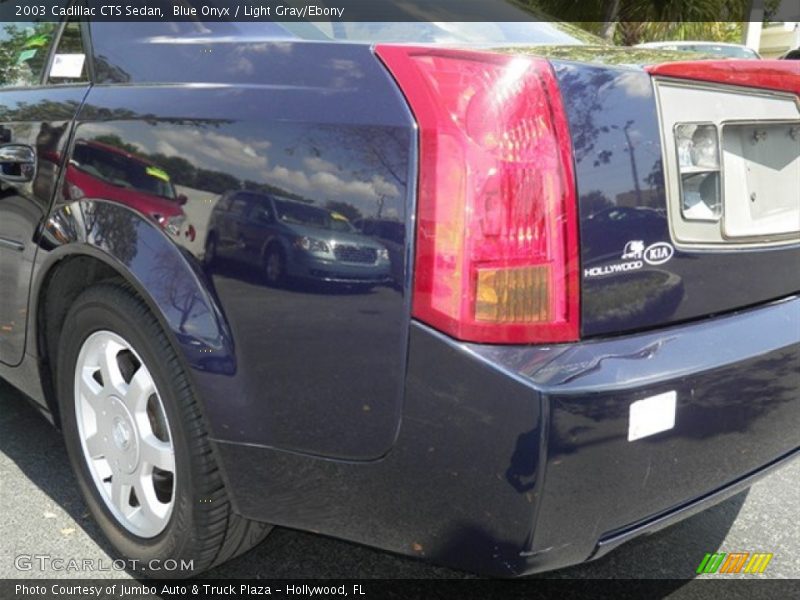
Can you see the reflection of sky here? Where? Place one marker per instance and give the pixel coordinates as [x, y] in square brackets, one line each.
[247, 153]
[484, 32]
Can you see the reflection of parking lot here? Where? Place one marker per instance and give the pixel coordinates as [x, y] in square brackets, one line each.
[44, 514]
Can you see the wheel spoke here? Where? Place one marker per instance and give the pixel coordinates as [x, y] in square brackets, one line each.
[139, 390]
[90, 389]
[113, 381]
[96, 446]
[121, 493]
[153, 511]
[157, 453]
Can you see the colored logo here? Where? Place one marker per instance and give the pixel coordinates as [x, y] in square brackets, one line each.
[734, 562]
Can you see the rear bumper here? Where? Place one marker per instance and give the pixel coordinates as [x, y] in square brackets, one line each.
[512, 460]
[613, 540]
[737, 385]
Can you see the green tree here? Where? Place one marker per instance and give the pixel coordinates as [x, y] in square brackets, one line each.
[216, 181]
[180, 170]
[635, 21]
[23, 52]
[117, 142]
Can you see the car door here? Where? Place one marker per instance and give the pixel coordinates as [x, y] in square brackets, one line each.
[233, 228]
[43, 81]
[256, 227]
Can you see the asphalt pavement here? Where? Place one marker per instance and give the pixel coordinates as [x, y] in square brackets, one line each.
[43, 513]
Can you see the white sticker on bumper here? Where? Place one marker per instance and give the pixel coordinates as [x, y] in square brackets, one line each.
[652, 415]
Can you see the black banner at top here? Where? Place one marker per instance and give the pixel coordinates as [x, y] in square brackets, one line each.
[400, 10]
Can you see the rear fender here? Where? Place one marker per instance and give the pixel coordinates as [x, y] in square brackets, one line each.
[133, 246]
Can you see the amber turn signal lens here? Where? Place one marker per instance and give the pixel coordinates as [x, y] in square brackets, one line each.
[513, 295]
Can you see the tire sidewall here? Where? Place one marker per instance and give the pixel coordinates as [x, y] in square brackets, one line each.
[281, 256]
[85, 318]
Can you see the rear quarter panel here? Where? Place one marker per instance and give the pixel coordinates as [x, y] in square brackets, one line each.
[318, 369]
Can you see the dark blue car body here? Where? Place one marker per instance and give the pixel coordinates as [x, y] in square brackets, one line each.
[333, 410]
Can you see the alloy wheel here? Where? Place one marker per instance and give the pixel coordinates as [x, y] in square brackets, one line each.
[124, 433]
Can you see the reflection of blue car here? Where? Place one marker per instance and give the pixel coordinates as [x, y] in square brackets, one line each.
[391, 234]
[290, 239]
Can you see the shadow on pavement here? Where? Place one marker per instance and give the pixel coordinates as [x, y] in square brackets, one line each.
[37, 449]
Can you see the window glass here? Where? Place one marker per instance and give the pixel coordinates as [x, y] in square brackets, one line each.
[295, 213]
[119, 169]
[239, 206]
[23, 52]
[225, 201]
[69, 62]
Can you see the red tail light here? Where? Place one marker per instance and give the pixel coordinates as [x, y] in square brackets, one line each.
[497, 242]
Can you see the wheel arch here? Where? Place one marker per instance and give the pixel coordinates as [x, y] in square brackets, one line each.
[273, 241]
[160, 274]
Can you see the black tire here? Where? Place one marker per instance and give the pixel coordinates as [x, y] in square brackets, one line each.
[203, 527]
[211, 253]
[275, 277]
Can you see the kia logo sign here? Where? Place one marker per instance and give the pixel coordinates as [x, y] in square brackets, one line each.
[658, 253]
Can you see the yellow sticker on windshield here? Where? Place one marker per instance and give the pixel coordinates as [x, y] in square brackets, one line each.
[157, 173]
[338, 216]
[37, 41]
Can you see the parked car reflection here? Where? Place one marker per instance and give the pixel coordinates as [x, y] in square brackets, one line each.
[392, 234]
[292, 241]
[99, 170]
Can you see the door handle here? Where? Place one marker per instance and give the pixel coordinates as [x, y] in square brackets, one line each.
[17, 163]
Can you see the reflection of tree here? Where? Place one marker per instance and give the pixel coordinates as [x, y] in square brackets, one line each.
[585, 92]
[176, 289]
[109, 73]
[180, 170]
[381, 153]
[593, 202]
[383, 150]
[602, 54]
[655, 178]
[116, 141]
[215, 181]
[184, 173]
[634, 21]
[44, 110]
[266, 188]
[113, 228]
[373, 155]
[631, 150]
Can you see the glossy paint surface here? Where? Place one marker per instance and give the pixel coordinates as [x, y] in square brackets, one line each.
[315, 363]
[332, 411]
[39, 119]
[615, 135]
[514, 460]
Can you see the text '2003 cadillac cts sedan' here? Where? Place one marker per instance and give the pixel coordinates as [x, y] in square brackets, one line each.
[478, 293]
